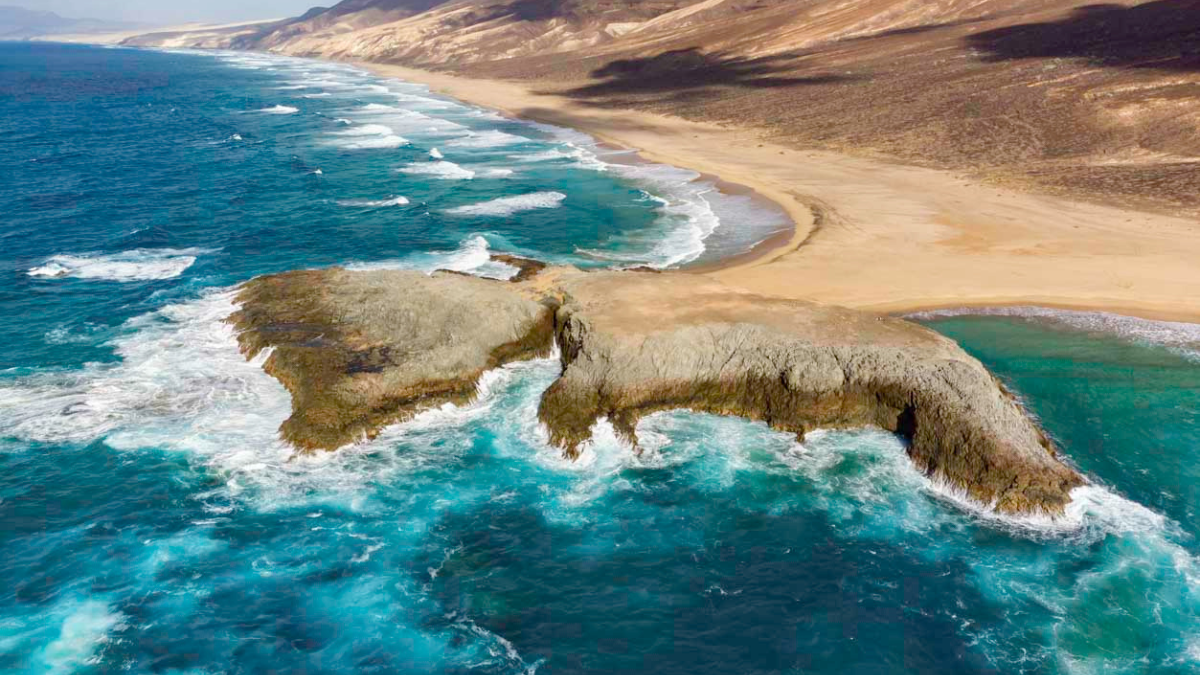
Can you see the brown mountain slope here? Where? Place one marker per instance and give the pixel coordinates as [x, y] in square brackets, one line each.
[1102, 100]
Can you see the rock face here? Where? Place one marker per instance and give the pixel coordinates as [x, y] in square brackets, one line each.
[361, 350]
[633, 344]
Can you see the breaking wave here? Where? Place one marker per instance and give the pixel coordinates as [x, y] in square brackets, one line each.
[507, 206]
[135, 265]
[472, 257]
[373, 203]
[278, 110]
[490, 138]
[368, 137]
[441, 169]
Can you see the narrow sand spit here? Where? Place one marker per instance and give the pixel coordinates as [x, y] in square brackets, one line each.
[888, 237]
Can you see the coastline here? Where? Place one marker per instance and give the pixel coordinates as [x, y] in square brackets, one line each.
[799, 214]
[888, 237]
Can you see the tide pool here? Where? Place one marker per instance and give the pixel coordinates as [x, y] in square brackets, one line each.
[151, 522]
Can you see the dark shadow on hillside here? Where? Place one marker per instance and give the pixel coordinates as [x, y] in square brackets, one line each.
[689, 74]
[1164, 35]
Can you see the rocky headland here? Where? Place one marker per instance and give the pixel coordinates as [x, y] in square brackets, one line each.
[361, 350]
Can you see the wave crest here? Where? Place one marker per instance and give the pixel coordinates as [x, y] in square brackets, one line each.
[441, 170]
[279, 110]
[474, 256]
[135, 265]
[507, 206]
[373, 203]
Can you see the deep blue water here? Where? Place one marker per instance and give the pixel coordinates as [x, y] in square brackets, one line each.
[151, 522]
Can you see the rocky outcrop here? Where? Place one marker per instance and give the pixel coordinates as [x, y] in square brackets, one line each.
[361, 350]
[633, 344]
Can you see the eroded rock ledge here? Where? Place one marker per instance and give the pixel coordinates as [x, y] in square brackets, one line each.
[636, 344]
[360, 350]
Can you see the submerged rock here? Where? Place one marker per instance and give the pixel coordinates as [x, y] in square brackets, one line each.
[360, 350]
[635, 344]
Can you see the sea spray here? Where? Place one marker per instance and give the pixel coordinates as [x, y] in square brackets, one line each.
[473, 256]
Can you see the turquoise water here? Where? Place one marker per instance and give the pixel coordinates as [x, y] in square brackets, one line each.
[151, 522]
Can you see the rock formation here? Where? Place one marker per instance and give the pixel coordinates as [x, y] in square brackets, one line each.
[360, 350]
[633, 344]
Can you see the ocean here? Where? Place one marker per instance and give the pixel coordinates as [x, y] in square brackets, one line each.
[151, 521]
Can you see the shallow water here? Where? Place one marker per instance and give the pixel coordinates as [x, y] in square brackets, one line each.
[153, 523]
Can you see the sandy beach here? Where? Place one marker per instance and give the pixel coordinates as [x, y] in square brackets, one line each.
[895, 238]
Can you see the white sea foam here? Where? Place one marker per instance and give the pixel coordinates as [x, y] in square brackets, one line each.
[685, 204]
[177, 367]
[411, 121]
[441, 170]
[278, 110]
[490, 138]
[381, 108]
[502, 654]
[321, 83]
[65, 335]
[558, 154]
[507, 206]
[426, 102]
[84, 629]
[323, 94]
[368, 137]
[472, 257]
[368, 130]
[690, 210]
[1184, 337]
[135, 265]
[181, 385]
[373, 203]
[436, 154]
[374, 143]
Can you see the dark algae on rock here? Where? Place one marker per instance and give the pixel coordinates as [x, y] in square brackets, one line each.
[360, 350]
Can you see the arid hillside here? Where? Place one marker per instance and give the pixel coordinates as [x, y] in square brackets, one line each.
[1098, 100]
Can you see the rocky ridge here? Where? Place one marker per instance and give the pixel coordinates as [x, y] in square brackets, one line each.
[361, 350]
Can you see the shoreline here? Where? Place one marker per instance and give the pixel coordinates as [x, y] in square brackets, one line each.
[800, 216]
[628, 156]
[888, 237]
